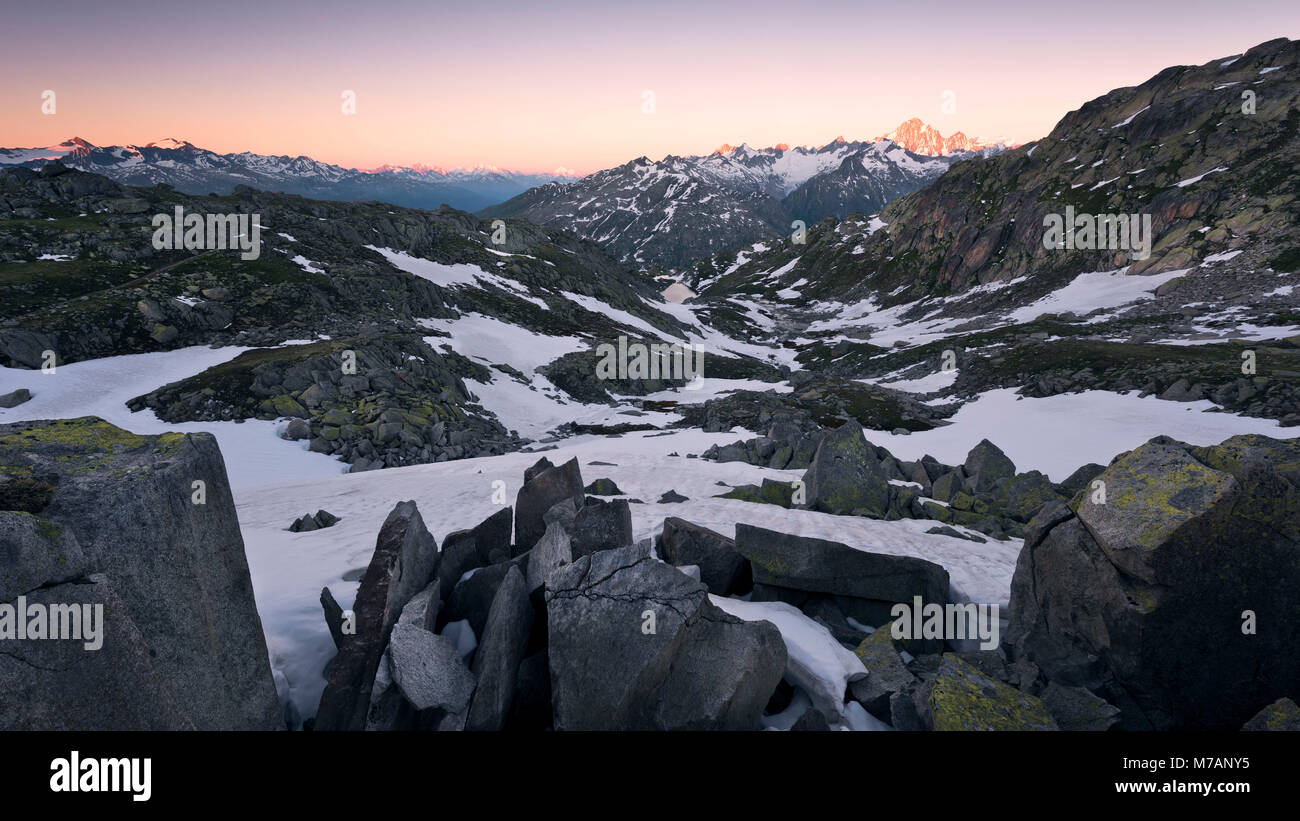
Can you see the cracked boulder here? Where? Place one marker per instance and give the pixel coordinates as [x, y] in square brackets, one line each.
[635, 644]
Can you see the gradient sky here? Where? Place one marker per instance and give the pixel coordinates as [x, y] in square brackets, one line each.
[536, 86]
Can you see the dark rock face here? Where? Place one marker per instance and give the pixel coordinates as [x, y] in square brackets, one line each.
[1143, 599]
[499, 653]
[845, 476]
[602, 525]
[492, 536]
[172, 559]
[404, 562]
[634, 644]
[986, 464]
[63, 685]
[471, 598]
[722, 569]
[860, 584]
[542, 491]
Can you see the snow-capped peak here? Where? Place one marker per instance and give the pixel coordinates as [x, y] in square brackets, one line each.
[171, 143]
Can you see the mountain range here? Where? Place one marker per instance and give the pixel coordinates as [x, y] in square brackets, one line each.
[196, 170]
[680, 209]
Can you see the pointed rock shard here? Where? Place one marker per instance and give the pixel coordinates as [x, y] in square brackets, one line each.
[539, 494]
[404, 563]
[496, 661]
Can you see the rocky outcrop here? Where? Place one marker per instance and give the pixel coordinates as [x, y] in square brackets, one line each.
[146, 527]
[1156, 596]
[845, 476]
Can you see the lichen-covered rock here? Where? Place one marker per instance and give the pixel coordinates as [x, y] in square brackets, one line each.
[155, 516]
[1147, 598]
[845, 477]
[1281, 715]
[887, 675]
[960, 697]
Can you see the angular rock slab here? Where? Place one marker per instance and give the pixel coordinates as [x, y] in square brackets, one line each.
[539, 494]
[496, 661]
[722, 569]
[421, 684]
[861, 583]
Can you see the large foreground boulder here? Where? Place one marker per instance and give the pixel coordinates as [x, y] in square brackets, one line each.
[1173, 596]
[636, 644]
[404, 563]
[154, 520]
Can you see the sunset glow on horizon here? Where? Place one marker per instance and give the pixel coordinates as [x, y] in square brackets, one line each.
[540, 87]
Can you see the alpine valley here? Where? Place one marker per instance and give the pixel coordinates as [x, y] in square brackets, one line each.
[389, 443]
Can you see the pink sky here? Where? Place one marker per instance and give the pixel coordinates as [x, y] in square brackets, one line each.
[536, 87]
